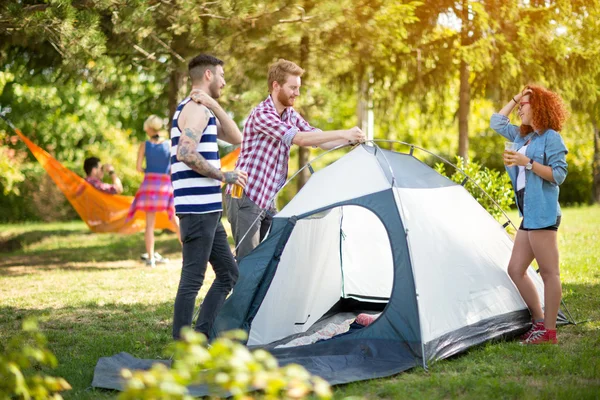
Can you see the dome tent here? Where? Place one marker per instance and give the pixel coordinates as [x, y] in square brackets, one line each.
[381, 230]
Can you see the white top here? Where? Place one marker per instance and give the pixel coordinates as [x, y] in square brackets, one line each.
[521, 175]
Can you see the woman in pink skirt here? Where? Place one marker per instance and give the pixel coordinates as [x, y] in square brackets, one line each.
[156, 192]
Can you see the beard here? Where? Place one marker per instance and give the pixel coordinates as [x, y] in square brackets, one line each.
[214, 90]
[286, 101]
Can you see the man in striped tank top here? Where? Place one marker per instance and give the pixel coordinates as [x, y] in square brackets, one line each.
[197, 178]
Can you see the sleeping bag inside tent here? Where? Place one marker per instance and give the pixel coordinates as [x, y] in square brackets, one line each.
[377, 232]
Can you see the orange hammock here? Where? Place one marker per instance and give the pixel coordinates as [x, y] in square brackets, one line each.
[103, 212]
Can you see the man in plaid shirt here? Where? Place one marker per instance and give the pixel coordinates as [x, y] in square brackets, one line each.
[271, 129]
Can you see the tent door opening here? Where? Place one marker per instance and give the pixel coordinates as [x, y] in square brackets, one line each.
[330, 257]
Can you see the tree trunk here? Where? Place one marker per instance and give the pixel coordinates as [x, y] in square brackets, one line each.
[176, 90]
[304, 152]
[362, 101]
[464, 99]
[464, 104]
[596, 163]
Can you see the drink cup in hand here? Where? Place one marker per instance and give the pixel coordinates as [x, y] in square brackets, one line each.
[510, 147]
[236, 191]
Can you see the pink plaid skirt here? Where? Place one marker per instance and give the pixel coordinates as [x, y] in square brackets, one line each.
[155, 194]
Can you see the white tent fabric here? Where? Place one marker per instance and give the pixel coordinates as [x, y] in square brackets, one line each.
[306, 284]
[459, 255]
[355, 175]
[367, 257]
[458, 252]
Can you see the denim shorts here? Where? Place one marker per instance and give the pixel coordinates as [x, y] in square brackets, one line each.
[520, 203]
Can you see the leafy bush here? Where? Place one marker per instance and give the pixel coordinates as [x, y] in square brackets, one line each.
[577, 187]
[11, 175]
[496, 184]
[226, 366]
[24, 352]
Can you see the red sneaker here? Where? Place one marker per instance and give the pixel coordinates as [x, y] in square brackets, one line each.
[542, 337]
[536, 326]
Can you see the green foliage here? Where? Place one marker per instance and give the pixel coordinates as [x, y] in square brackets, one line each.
[72, 74]
[579, 139]
[496, 184]
[22, 353]
[11, 175]
[53, 28]
[227, 366]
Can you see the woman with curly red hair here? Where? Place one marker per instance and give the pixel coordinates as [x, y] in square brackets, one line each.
[536, 168]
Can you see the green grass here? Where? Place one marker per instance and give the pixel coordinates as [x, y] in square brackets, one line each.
[94, 298]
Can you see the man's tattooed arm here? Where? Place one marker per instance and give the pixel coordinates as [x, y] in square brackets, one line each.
[186, 153]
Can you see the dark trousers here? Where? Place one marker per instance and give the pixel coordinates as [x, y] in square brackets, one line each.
[204, 239]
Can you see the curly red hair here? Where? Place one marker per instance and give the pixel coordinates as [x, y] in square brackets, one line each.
[548, 110]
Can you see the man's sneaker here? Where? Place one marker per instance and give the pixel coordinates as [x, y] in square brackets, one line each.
[546, 336]
[536, 326]
[151, 263]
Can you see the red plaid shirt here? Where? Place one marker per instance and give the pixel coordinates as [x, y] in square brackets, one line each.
[104, 187]
[266, 150]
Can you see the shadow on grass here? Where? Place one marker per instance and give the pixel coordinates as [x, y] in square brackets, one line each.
[20, 241]
[23, 269]
[79, 336]
[118, 248]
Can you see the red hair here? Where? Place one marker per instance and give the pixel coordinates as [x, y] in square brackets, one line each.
[279, 72]
[547, 108]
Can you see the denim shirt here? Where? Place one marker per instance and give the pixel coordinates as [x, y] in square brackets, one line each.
[541, 196]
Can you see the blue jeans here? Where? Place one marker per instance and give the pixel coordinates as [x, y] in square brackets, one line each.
[204, 239]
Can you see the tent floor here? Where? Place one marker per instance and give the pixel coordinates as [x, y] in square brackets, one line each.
[343, 310]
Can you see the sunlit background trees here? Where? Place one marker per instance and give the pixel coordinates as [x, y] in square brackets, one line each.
[81, 76]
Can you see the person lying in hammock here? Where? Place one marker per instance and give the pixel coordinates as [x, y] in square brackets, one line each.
[95, 173]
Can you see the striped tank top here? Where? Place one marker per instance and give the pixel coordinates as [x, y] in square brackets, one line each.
[195, 193]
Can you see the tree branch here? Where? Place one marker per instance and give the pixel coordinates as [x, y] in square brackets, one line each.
[214, 16]
[83, 4]
[150, 56]
[301, 19]
[169, 49]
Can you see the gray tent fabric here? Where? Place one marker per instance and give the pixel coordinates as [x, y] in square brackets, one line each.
[448, 286]
[107, 374]
[343, 361]
[409, 172]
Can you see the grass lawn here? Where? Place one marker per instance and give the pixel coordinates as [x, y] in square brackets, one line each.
[95, 298]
